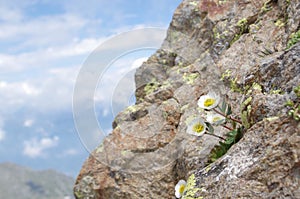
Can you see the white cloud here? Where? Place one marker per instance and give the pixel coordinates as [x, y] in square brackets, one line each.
[34, 148]
[48, 57]
[43, 30]
[2, 134]
[69, 152]
[117, 85]
[29, 89]
[10, 15]
[46, 52]
[50, 92]
[105, 111]
[77, 47]
[28, 122]
[14, 95]
[42, 41]
[51, 69]
[138, 62]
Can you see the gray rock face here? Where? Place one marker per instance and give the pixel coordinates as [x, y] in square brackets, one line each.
[238, 48]
[264, 164]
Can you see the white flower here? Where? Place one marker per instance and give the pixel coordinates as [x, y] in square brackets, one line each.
[179, 188]
[215, 118]
[196, 127]
[209, 101]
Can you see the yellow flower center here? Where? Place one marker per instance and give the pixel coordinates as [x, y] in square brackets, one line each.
[181, 188]
[209, 101]
[198, 128]
[216, 119]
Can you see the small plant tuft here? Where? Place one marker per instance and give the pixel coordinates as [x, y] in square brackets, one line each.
[294, 105]
[294, 38]
[217, 114]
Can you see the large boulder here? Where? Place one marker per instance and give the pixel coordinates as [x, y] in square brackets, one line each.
[248, 51]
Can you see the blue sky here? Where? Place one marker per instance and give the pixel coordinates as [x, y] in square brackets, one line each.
[43, 45]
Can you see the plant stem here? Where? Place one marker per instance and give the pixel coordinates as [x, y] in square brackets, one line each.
[226, 127]
[228, 117]
[215, 136]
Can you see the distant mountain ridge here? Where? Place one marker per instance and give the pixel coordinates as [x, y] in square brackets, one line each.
[24, 183]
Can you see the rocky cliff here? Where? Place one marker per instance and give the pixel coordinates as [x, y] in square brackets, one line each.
[248, 52]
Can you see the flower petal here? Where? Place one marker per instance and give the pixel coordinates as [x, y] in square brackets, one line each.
[179, 188]
[209, 101]
[196, 127]
[215, 118]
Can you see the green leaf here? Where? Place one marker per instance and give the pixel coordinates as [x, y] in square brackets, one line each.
[219, 150]
[229, 111]
[233, 124]
[210, 127]
[220, 122]
[224, 146]
[230, 140]
[224, 106]
[240, 134]
[289, 103]
[232, 133]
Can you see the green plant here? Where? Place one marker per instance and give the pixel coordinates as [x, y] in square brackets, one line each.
[243, 27]
[232, 137]
[217, 114]
[267, 6]
[294, 38]
[294, 106]
[226, 75]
